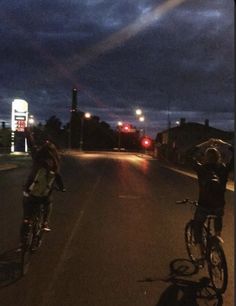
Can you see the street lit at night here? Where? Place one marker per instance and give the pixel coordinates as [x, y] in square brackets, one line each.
[117, 153]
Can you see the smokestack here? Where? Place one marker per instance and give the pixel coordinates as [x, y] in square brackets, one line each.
[207, 123]
[74, 100]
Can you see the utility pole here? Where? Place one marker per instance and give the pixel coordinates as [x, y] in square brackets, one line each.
[72, 117]
[168, 126]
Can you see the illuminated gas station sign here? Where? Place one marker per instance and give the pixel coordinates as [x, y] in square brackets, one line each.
[19, 122]
[19, 115]
[20, 126]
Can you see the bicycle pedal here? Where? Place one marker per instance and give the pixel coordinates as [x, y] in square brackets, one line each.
[47, 229]
[200, 263]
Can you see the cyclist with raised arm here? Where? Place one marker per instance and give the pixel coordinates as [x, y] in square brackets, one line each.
[212, 178]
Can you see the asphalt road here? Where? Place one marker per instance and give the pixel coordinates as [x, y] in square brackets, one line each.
[117, 237]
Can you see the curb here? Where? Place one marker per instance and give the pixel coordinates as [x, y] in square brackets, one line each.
[7, 167]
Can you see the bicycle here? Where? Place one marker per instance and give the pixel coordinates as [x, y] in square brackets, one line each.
[31, 237]
[213, 252]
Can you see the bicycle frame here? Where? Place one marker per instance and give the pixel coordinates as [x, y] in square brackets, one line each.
[32, 236]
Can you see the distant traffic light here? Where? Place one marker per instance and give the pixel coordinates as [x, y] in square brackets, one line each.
[126, 128]
[146, 142]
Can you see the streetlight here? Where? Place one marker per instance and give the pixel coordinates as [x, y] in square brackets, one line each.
[141, 118]
[138, 112]
[85, 116]
[31, 120]
[119, 124]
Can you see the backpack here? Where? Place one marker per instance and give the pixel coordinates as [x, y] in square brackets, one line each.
[42, 183]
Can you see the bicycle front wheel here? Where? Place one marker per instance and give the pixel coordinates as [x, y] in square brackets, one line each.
[193, 248]
[217, 266]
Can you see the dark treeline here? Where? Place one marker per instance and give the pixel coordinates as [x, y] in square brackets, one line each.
[94, 133]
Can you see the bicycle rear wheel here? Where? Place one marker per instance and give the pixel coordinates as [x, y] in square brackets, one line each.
[38, 234]
[192, 247]
[217, 266]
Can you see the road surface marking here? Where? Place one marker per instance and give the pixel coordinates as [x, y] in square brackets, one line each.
[49, 293]
[230, 185]
[131, 197]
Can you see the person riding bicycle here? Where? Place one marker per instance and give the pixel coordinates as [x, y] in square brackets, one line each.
[43, 176]
[212, 178]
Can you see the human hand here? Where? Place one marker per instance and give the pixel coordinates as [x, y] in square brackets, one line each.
[219, 141]
[207, 143]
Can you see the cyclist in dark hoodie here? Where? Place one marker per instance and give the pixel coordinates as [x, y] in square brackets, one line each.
[212, 178]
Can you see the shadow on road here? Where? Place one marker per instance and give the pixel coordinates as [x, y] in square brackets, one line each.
[185, 292]
[9, 268]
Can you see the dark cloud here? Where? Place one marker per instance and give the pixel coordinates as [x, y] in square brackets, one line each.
[120, 55]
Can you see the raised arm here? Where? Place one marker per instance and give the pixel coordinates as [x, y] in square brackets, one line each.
[196, 165]
[31, 143]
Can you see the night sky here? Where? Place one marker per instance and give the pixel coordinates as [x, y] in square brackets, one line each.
[120, 54]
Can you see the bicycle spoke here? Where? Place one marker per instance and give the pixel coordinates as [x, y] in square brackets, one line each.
[193, 249]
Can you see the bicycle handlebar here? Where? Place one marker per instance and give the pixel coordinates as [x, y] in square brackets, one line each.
[58, 189]
[187, 201]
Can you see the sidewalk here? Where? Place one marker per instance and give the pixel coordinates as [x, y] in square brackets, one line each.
[9, 162]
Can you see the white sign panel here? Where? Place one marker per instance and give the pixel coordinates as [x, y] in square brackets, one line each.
[19, 117]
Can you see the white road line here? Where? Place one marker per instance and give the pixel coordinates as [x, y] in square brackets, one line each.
[49, 293]
[130, 197]
[230, 185]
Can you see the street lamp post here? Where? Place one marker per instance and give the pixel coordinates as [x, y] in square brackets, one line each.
[72, 124]
[85, 116]
[168, 127]
[119, 124]
[142, 119]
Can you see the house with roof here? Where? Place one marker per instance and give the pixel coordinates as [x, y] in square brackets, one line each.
[175, 143]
